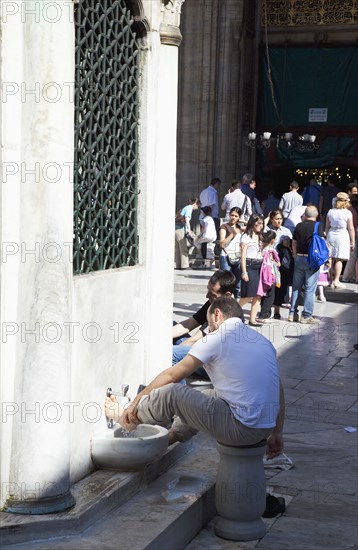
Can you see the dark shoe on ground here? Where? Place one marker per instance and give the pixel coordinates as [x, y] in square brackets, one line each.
[255, 324]
[277, 316]
[274, 506]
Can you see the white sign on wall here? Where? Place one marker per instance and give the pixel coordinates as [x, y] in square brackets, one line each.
[317, 114]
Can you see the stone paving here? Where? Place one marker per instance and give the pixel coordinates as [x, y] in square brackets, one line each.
[319, 370]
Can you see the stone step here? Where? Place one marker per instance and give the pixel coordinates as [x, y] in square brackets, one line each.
[167, 506]
[141, 510]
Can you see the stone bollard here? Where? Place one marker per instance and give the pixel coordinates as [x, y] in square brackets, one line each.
[240, 492]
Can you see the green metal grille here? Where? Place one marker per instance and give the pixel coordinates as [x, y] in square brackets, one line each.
[106, 137]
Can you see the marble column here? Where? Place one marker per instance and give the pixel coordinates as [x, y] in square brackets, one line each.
[37, 199]
[159, 130]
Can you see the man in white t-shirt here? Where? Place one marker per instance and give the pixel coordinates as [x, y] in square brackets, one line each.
[247, 402]
[209, 197]
[238, 199]
[290, 200]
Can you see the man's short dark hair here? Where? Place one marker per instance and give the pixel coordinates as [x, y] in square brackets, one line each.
[226, 280]
[228, 307]
[215, 181]
[247, 178]
[351, 186]
[236, 184]
[206, 210]
[294, 184]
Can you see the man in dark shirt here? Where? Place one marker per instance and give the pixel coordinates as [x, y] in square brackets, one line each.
[328, 192]
[303, 274]
[248, 186]
[221, 283]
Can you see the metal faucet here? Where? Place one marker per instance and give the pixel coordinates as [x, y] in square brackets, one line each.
[125, 388]
[123, 393]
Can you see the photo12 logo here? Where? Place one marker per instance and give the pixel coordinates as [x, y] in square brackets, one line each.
[69, 331]
[36, 11]
[49, 172]
[51, 92]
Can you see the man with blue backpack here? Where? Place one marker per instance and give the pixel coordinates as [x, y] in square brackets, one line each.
[310, 252]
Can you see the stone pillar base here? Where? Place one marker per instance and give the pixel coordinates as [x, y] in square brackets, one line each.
[241, 531]
[240, 492]
[47, 505]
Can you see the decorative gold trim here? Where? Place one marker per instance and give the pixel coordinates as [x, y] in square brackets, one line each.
[305, 13]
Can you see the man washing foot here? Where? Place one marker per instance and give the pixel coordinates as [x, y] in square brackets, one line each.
[115, 412]
[246, 404]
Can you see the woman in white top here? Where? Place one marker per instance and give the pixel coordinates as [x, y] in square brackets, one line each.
[340, 236]
[207, 235]
[251, 260]
[230, 237]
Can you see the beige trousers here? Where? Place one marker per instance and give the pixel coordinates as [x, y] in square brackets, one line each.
[181, 250]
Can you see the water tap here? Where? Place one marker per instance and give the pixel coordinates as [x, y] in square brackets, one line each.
[122, 398]
[125, 388]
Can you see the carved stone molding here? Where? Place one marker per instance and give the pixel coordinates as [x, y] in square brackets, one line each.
[141, 24]
[176, 6]
[170, 35]
[169, 29]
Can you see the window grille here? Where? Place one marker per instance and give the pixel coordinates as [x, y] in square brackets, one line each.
[106, 137]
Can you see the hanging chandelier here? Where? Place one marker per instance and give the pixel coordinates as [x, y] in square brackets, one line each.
[306, 142]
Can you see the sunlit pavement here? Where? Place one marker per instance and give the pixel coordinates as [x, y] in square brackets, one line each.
[319, 369]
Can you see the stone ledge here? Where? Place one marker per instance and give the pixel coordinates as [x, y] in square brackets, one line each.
[96, 495]
[167, 513]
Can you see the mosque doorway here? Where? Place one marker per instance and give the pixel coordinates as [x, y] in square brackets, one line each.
[298, 97]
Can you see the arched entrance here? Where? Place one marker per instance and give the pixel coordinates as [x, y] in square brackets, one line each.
[308, 85]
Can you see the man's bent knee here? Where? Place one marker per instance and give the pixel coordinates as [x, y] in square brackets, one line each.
[157, 406]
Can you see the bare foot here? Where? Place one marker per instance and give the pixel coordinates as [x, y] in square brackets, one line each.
[112, 409]
[115, 412]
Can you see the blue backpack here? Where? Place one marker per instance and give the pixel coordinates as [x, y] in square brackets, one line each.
[318, 252]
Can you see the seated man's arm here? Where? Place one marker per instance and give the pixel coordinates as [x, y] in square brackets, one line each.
[173, 374]
[180, 329]
[275, 440]
[190, 341]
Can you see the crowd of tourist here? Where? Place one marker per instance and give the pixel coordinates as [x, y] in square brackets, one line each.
[256, 239]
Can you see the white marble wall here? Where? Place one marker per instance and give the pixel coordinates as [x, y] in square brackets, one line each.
[36, 226]
[95, 330]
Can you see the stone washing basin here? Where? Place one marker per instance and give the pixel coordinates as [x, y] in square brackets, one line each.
[118, 449]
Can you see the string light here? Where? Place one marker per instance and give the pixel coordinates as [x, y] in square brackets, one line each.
[322, 174]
